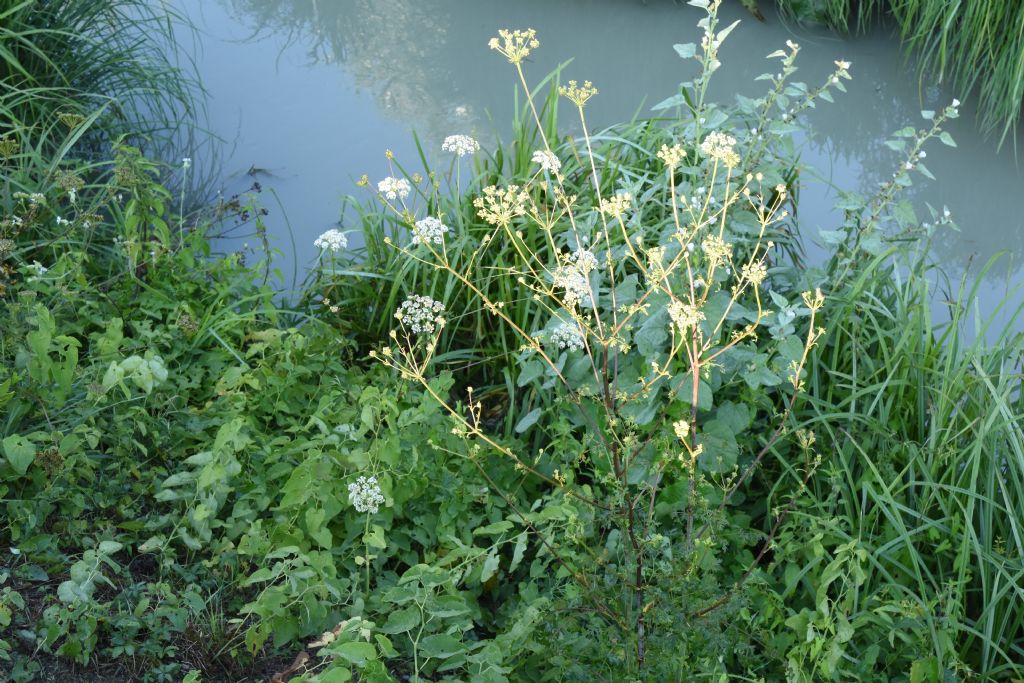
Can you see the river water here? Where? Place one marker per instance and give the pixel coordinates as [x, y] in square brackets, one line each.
[308, 94]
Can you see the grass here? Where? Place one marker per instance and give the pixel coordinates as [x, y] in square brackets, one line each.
[101, 68]
[975, 45]
[926, 431]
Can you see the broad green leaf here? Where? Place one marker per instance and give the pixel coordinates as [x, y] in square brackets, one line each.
[441, 645]
[355, 651]
[402, 620]
[528, 420]
[20, 452]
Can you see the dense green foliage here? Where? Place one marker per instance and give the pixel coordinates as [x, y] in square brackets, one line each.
[181, 455]
[976, 45]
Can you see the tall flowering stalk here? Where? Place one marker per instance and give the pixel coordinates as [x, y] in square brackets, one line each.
[642, 318]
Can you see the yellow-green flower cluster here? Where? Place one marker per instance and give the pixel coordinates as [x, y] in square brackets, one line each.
[498, 206]
[577, 94]
[515, 45]
[617, 205]
[672, 155]
[720, 146]
[755, 273]
[685, 315]
[716, 249]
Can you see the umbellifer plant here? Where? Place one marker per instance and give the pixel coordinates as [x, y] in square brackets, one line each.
[663, 345]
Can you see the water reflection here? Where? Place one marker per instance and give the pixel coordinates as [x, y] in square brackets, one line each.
[424, 64]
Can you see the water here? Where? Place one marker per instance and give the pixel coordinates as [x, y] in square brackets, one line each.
[311, 93]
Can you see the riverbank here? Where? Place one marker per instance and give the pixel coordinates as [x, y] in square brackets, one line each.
[570, 406]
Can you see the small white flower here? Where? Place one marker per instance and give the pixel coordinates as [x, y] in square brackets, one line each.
[575, 284]
[460, 145]
[365, 495]
[547, 160]
[567, 337]
[73, 195]
[584, 260]
[63, 221]
[394, 188]
[922, 154]
[420, 314]
[956, 103]
[186, 163]
[429, 230]
[332, 240]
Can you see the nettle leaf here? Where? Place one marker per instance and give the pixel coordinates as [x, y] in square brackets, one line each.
[493, 529]
[490, 567]
[518, 552]
[720, 447]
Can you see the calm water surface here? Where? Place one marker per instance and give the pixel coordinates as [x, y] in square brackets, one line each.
[309, 94]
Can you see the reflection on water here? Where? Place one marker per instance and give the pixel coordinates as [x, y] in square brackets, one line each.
[318, 89]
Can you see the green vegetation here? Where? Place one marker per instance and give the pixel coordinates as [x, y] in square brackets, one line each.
[977, 45]
[200, 483]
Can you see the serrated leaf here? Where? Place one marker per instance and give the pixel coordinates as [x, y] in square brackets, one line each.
[490, 566]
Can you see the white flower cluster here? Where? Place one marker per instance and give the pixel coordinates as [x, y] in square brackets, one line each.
[394, 188]
[420, 314]
[575, 284]
[547, 160]
[364, 494]
[460, 145]
[332, 240]
[429, 230]
[567, 336]
[584, 260]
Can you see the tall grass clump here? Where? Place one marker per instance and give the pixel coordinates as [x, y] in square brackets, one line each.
[975, 45]
[921, 500]
[102, 69]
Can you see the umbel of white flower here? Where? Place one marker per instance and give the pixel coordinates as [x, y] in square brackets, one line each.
[394, 188]
[547, 161]
[567, 336]
[430, 230]
[332, 240]
[460, 145]
[420, 314]
[364, 494]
